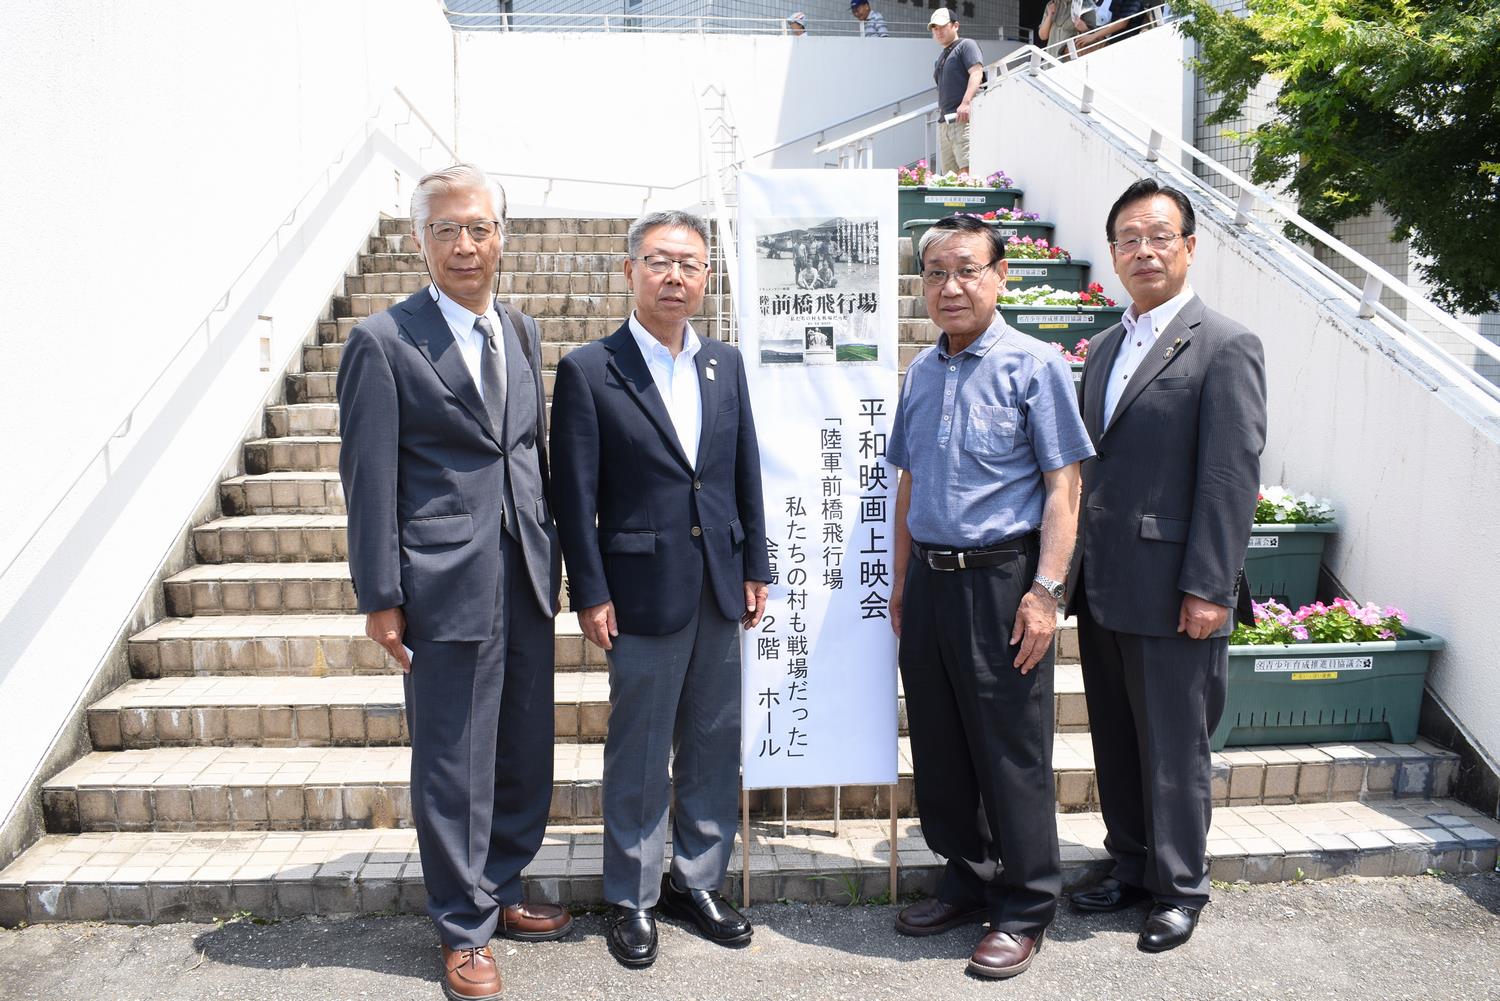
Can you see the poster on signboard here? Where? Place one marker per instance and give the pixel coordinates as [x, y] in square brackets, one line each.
[816, 296]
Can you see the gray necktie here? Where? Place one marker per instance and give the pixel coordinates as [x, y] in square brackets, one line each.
[492, 380]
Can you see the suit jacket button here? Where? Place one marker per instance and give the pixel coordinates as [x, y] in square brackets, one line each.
[697, 531]
[697, 484]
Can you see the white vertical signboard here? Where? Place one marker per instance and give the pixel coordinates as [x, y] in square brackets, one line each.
[816, 296]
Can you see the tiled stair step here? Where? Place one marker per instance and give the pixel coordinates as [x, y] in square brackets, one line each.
[298, 453]
[355, 711]
[273, 538]
[521, 243]
[510, 282]
[550, 306]
[553, 330]
[511, 262]
[200, 876]
[539, 224]
[260, 588]
[314, 492]
[324, 788]
[294, 646]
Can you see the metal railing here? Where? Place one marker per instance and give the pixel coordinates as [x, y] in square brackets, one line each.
[1109, 114]
[203, 332]
[693, 24]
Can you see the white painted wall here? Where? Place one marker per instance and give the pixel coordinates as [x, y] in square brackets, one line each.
[150, 149]
[1411, 462]
[633, 103]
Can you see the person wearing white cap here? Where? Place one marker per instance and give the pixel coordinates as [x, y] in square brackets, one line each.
[958, 73]
[796, 24]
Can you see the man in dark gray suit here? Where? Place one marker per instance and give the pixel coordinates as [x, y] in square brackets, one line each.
[660, 510]
[1174, 399]
[456, 566]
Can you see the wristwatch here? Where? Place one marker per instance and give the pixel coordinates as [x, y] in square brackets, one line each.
[1053, 587]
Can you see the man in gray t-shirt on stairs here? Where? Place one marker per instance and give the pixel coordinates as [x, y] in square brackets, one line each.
[958, 73]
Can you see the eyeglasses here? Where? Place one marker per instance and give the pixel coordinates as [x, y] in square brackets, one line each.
[1160, 241]
[661, 265]
[480, 230]
[966, 275]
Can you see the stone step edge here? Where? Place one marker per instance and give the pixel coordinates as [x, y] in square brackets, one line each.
[254, 788]
[138, 878]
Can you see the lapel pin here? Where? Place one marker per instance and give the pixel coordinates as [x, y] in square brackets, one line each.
[710, 373]
[1173, 349]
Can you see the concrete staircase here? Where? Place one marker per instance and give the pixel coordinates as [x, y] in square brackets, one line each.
[258, 760]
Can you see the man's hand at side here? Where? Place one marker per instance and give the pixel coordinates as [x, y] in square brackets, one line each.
[1200, 619]
[598, 625]
[1036, 621]
[387, 627]
[755, 603]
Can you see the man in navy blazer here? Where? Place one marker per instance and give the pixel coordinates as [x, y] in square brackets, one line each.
[658, 497]
[455, 564]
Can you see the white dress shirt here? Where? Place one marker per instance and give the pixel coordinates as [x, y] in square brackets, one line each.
[1141, 333]
[470, 341]
[676, 380]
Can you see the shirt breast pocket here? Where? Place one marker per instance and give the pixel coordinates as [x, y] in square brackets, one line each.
[991, 430]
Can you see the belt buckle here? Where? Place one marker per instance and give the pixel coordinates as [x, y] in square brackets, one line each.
[931, 553]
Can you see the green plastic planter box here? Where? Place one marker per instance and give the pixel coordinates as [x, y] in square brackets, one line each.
[1282, 562]
[1062, 324]
[1321, 692]
[915, 229]
[934, 203]
[1065, 276]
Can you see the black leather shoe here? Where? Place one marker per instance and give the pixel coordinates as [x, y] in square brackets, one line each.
[716, 919]
[632, 936]
[1110, 895]
[1167, 927]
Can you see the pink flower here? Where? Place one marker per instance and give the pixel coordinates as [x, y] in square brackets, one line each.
[1299, 633]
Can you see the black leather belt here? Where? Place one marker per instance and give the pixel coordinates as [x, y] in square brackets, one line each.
[949, 560]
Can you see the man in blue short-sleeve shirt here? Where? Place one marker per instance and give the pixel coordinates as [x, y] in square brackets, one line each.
[989, 440]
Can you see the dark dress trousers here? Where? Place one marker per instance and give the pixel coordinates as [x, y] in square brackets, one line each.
[1166, 511]
[425, 473]
[670, 539]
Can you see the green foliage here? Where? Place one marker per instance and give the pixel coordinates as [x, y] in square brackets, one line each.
[1382, 102]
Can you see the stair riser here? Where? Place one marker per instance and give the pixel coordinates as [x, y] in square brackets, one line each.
[371, 724]
[214, 807]
[289, 455]
[540, 306]
[283, 497]
[567, 330]
[271, 545]
[518, 243]
[512, 262]
[260, 597]
[509, 283]
[513, 227]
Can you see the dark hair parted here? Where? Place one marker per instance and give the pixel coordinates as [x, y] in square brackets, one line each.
[946, 227]
[1147, 187]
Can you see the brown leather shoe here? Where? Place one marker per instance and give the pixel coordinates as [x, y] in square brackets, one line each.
[1001, 954]
[534, 922]
[933, 917]
[470, 975]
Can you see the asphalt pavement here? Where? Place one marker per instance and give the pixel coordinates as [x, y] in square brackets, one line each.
[1426, 937]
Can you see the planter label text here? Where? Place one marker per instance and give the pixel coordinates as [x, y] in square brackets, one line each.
[1007, 231]
[1264, 542]
[954, 199]
[1316, 676]
[1029, 272]
[1295, 665]
[1054, 318]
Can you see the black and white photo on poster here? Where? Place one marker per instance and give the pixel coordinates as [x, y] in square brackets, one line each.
[818, 290]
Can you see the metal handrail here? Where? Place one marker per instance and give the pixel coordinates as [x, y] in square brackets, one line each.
[695, 23]
[122, 427]
[872, 130]
[1086, 99]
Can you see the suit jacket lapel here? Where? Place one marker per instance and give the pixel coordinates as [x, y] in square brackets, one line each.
[708, 394]
[1170, 345]
[630, 368]
[1101, 361]
[429, 332]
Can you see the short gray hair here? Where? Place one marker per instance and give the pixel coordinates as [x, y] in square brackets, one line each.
[672, 218]
[459, 177]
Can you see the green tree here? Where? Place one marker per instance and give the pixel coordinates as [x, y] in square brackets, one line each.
[1382, 102]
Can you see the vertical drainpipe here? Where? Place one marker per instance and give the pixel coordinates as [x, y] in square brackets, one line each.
[456, 146]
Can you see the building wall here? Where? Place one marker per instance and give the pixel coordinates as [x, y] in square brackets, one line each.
[1409, 457]
[156, 158]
